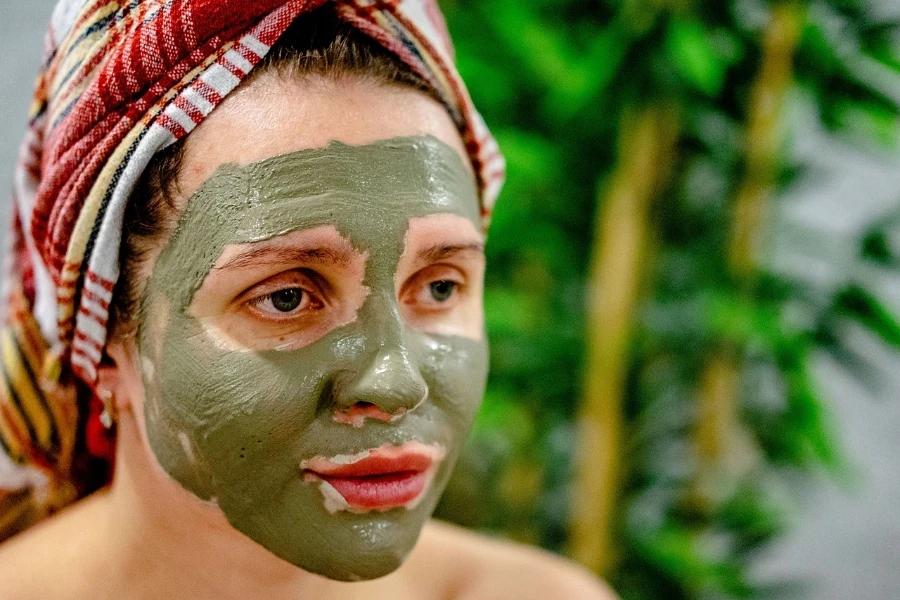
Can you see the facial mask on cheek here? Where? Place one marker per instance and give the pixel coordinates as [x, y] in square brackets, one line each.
[235, 426]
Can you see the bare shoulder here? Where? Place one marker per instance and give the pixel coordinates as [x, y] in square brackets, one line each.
[60, 541]
[485, 568]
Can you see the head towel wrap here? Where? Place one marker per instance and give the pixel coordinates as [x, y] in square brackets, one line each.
[122, 79]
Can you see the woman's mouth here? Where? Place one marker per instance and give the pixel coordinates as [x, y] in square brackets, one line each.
[378, 479]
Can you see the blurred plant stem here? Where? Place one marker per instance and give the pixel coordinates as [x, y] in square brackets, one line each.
[764, 134]
[646, 150]
[718, 426]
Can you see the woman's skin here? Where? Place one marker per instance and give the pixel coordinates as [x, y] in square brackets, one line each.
[148, 536]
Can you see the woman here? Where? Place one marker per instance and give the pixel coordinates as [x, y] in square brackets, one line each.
[295, 350]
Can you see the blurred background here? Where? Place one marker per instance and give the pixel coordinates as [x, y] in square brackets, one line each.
[693, 295]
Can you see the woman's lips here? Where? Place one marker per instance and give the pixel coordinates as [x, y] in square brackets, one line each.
[378, 479]
[379, 492]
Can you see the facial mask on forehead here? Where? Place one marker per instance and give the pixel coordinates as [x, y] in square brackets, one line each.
[234, 426]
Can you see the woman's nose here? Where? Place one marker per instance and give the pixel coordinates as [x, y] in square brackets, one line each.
[388, 383]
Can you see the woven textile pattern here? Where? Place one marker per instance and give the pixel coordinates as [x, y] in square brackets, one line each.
[121, 80]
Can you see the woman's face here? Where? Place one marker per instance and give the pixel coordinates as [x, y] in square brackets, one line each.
[311, 338]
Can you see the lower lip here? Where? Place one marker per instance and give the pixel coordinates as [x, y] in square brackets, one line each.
[379, 492]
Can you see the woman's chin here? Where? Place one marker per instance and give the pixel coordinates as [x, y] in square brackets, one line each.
[349, 547]
[364, 569]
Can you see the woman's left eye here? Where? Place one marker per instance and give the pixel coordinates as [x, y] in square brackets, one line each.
[436, 288]
[442, 290]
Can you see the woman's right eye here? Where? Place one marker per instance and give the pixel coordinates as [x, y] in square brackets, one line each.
[286, 300]
[284, 303]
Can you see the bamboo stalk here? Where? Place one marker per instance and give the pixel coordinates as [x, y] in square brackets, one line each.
[718, 401]
[764, 134]
[717, 424]
[646, 148]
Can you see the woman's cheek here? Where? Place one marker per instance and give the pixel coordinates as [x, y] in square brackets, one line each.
[456, 368]
[213, 410]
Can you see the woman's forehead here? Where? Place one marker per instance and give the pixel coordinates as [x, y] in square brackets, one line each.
[367, 187]
[272, 116]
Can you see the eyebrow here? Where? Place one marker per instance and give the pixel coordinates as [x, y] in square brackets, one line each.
[279, 255]
[442, 251]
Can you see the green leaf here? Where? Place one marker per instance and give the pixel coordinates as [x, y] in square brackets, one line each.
[679, 552]
[544, 50]
[816, 48]
[881, 243]
[874, 118]
[751, 513]
[690, 47]
[511, 311]
[863, 307]
[807, 417]
[590, 74]
[876, 247]
[504, 411]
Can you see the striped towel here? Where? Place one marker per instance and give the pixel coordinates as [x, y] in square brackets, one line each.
[122, 79]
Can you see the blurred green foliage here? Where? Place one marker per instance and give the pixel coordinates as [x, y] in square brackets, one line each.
[552, 79]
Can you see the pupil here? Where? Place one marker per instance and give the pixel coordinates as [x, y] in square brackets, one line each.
[287, 300]
[441, 290]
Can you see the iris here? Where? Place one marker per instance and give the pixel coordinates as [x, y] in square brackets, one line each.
[287, 300]
[442, 290]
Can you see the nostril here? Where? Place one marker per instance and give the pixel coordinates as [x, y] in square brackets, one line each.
[366, 406]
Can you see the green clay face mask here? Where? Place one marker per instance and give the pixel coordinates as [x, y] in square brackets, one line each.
[252, 427]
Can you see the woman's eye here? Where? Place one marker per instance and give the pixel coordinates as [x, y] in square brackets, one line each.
[286, 300]
[442, 290]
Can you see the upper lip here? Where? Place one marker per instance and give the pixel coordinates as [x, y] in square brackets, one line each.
[410, 457]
